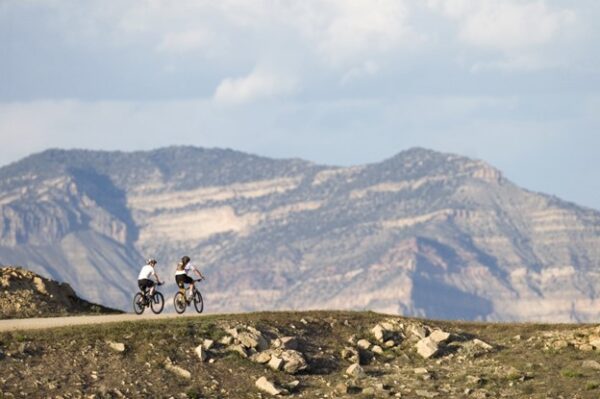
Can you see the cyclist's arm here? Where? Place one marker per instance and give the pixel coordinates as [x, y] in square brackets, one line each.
[157, 279]
[198, 273]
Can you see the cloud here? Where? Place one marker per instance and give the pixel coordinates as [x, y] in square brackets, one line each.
[183, 42]
[258, 85]
[520, 30]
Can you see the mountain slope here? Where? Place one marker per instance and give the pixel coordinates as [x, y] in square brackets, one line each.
[421, 233]
[25, 294]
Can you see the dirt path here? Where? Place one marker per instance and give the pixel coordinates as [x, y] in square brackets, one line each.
[50, 322]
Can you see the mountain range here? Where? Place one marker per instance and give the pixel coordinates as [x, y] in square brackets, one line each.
[422, 233]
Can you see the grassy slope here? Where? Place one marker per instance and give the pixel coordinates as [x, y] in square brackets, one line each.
[74, 362]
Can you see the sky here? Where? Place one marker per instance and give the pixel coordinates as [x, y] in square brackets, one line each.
[341, 82]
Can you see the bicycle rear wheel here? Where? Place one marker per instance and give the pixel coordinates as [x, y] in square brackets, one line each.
[179, 302]
[157, 303]
[138, 303]
[198, 302]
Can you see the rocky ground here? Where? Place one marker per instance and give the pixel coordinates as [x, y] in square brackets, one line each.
[303, 355]
[25, 294]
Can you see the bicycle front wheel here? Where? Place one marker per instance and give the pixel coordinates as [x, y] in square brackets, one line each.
[179, 302]
[138, 303]
[198, 302]
[158, 302]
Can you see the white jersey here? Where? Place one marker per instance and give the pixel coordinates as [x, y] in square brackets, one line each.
[146, 273]
[186, 270]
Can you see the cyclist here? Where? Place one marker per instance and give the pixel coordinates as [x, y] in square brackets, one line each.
[182, 274]
[144, 278]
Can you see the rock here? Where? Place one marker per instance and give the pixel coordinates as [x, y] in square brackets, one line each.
[363, 344]
[427, 348]
[208, 344]
[293, 361]
[267, 386]
[585, 347]
[389, 343]
[350, 354]
[591, 364]
[261, 357]
[482, 344]
[238, 349]
[226, 340]
[421, 371]
[291, 386]
[379, 333]
[368, 391]
[594, 340]
[116, 346]
[341, 388]
[252, 340]
[560, 344]
[201, 352]
[439, 336]
[356, 371]
[417, 331]
[181, 372]
[276, 363]
[377, 349]
[426, 394]
[289, 343]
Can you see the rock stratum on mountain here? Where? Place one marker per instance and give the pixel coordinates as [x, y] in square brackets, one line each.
[422, 233]
[26, 294]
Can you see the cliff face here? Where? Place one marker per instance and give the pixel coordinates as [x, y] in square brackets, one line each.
[422, 233]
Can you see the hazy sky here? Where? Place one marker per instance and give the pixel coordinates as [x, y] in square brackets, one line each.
[516, 83]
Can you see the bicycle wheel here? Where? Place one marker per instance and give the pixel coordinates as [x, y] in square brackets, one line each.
[138, 303]
[179, 302]
[198, 302]
[157, 303]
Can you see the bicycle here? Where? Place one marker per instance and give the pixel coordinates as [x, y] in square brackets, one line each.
[142, 300]
[182, 300]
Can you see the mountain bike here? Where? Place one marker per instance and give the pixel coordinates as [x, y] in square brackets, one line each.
[142, 300]
[184, 299]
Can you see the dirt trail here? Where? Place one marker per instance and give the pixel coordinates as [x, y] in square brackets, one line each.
[50, 322]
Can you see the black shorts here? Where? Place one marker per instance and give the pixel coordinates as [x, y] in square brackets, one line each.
[145, 284]
[183, 278]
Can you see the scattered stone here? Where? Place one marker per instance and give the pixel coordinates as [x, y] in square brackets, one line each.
[439, 336]
[201, 352]
[368, 391]
[238, 349]
[420, 371]
[226, 340]
[208, 344]
[426, 394]
[417, 331]
[389, 343]
[289, 343]
[267, 386]
[482, 344]
[181, 372]
[116, 346]
[356, 371]
[261, 357]
[363, 344]
[427, 348]
[252, 340]
[275, 363]
[560, 344]
[350, 354]
[379, 333]
[291, 386]
[377, 349]
[591, 364]
[293, 361]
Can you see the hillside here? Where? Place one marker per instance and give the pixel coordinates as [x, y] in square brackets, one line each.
[25, 294]
[422, 233]
[303, 355]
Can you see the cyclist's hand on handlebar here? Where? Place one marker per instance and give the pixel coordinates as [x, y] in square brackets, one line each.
[161, 282]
